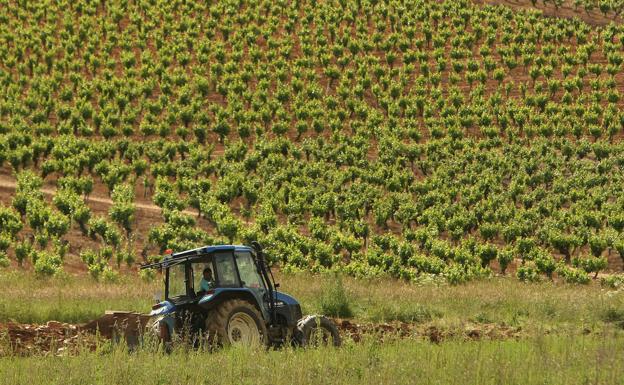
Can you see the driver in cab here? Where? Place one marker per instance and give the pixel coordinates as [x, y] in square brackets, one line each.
[207, 281]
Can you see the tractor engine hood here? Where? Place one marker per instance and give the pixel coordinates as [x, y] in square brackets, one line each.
[162, 308]
[282, 299]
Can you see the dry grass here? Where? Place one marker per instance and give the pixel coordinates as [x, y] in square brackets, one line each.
[538, 306]
[26, 298]
[497, 300]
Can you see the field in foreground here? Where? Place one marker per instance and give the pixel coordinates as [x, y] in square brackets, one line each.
[543, 333]
[490, 309]
[548, 360]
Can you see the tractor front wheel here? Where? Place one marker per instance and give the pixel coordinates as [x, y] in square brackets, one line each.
[158, 328]
[317, 330]
[236, 322]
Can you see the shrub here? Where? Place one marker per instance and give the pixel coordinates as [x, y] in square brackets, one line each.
[147, 275]
[505, 257]
[97, 262]
[228, 226]
[456, 274]
[108, 275]
[42, 239]
[22, 251]
[10, 222]
[5, 241]
[4, 259]
[487, 253]
[324, 254]
[47, 264]
[597, 244]
[123, 208]
[525, 247]
[572, 275]
[613, 281]
[528, 273]
[106, 230]
[618, 245]
[426, 264]
[564, 243]
[591, 264]
[125, 255]
[57, 224]
[489, 230]
[546, 264]
[334, 300]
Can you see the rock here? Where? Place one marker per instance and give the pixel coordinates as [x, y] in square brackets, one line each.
[473, 333]
[55, 325]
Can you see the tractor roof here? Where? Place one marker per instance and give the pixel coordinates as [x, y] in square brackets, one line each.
[186, 255]
[210, 249]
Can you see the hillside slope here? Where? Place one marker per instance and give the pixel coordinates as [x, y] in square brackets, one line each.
[400, 137]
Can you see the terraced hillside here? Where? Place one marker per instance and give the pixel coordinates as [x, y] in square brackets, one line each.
[402, 137]
[593, 12]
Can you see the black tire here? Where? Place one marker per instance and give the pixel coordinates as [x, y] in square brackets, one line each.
[315, 330]
[236, 322]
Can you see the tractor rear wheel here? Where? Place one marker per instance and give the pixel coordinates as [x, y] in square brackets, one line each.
[317, 330]
[236, 322]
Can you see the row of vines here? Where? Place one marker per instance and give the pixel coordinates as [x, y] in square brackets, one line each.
[608, 8]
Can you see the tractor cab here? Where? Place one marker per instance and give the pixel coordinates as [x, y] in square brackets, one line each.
[231, 267]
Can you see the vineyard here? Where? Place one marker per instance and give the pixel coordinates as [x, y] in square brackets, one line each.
[406, 138]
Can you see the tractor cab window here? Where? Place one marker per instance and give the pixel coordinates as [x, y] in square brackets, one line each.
[226, 271]
[198, 269]
[248, 270]
[177, 281]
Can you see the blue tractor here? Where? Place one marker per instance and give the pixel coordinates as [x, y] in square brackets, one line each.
[227, 295]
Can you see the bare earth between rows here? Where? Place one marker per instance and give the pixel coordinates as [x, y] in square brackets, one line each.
[63, 338]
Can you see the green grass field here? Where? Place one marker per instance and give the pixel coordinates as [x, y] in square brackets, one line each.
[568, 335]
[501, 300]
[544, 360]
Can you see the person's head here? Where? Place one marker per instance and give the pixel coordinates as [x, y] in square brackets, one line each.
[207, 274]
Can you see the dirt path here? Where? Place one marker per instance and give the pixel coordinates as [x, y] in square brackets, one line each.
[9, 184]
